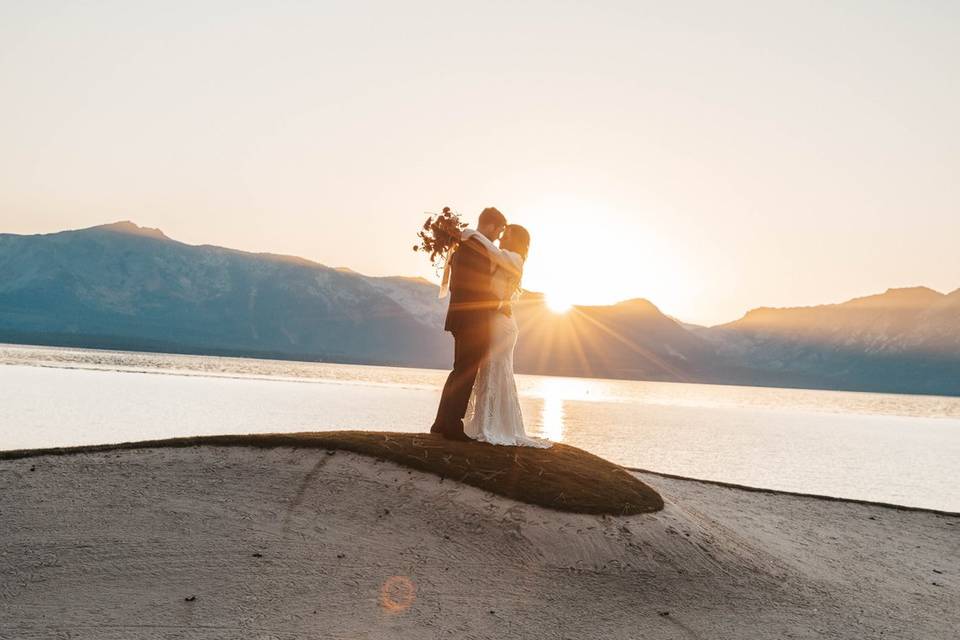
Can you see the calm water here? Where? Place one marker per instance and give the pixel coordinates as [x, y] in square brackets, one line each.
[891, 448]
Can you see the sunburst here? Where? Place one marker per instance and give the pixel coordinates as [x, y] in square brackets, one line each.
[558, 303]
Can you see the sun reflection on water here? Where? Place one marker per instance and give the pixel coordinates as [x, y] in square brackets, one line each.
[551, 416]
[555, 392]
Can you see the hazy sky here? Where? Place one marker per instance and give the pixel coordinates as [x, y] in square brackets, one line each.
[711, 157]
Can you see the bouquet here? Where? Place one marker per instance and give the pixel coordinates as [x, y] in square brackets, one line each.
[440, 233]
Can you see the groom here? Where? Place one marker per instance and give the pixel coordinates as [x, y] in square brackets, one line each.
[472, 304]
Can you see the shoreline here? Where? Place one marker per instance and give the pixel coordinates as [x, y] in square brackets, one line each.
[799, 494]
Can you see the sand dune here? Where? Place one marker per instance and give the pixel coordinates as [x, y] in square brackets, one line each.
[235, 542]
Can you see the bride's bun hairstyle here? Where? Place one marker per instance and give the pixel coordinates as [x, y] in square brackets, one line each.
[516, 239]
[491, 216]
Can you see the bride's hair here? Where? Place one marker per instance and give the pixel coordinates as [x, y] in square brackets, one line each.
[517, 239]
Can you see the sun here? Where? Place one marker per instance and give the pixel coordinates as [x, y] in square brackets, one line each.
[558, 303]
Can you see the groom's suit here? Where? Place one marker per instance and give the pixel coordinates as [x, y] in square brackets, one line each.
[472, 304]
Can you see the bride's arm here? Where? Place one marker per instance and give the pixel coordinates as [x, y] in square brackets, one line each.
[506, 259]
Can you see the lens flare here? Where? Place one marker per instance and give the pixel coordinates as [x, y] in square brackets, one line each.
[397, 594]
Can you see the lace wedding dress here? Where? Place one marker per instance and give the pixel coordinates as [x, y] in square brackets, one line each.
[493, 413]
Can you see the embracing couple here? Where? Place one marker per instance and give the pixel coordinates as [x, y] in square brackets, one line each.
[480, 399]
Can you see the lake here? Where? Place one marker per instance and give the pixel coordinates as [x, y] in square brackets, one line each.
[901, 449]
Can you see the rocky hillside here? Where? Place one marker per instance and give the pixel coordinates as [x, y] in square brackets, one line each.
[125, 286]
[900, 340]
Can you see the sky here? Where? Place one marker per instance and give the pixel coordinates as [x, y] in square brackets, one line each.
[710, 157]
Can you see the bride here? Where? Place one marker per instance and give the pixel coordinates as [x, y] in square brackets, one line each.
[493, 413]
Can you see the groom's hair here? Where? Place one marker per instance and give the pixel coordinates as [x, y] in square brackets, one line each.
[492, 216]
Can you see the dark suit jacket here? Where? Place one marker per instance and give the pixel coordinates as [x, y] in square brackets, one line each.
[472, 300]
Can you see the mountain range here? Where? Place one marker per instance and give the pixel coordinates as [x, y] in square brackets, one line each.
[123, 286]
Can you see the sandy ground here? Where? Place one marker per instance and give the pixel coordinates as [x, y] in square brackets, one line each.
[284, 543]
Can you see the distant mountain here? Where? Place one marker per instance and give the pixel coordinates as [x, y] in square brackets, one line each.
[124, 286]
[905, 340]
[632, 339]
[128, 287]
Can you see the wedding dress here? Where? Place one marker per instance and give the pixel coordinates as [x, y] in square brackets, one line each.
[493, 413]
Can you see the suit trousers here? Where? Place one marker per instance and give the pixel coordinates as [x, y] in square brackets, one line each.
[470, 346]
